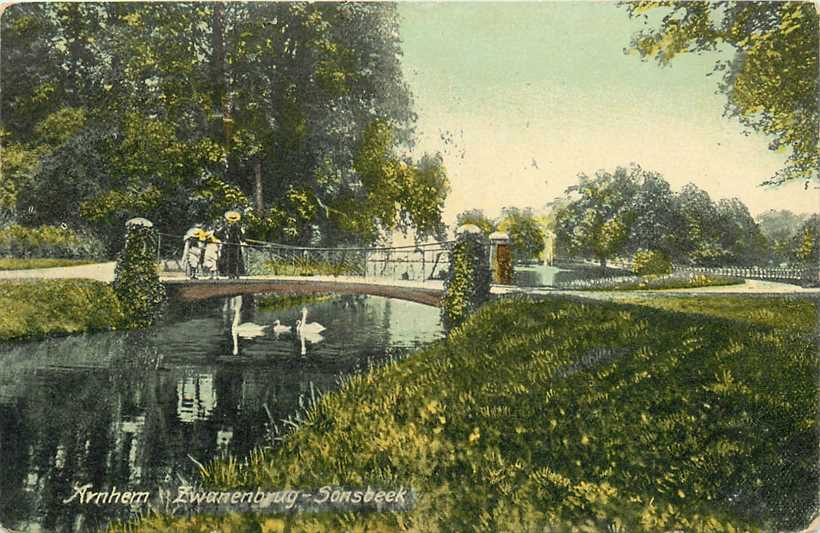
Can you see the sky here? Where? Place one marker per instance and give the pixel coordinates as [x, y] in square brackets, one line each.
[522, 97]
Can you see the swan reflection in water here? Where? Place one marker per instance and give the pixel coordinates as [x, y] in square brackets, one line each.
[305, 331]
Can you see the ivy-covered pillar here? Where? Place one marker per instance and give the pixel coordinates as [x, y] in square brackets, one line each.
[468, 279]
[136, 278]
[501, 258]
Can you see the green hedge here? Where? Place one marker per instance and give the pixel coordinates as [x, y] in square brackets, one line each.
[646, 262]
[538, 415]
[678, 280]
[30, 309]
[49, 241]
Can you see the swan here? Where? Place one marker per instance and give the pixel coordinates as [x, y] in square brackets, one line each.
[278, 327]
[312, 336]
[249, 330]
[308, 327]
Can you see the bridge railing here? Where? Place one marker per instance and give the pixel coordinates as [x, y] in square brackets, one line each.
[414, 262]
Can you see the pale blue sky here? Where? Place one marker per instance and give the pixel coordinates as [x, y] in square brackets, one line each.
[534, 93]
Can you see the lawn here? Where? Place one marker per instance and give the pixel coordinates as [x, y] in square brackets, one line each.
[13, 263]
[606, 416]
[31, 309]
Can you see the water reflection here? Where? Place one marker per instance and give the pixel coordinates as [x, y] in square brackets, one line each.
[126, 409]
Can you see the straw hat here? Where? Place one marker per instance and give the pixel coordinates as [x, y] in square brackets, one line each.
[232, 216]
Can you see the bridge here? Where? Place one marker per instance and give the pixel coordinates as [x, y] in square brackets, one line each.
[428, 293]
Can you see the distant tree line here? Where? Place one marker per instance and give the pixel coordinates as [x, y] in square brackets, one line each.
[616, 214]
[297, 113]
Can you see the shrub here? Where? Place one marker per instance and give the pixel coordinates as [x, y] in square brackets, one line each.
[678, 280]
[136, 279]
[49, 241]
[650, 262]
[468, 281]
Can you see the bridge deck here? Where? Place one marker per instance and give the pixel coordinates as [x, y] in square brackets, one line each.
[426, 292]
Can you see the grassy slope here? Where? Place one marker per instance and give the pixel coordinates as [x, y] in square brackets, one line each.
[42, 307]
[12, 263]
[568, 412]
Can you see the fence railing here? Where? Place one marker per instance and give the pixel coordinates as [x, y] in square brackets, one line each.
[801, 274]
[414, 262]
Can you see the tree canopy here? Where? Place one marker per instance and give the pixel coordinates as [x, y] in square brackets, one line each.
[770, 80]
[617, 214]
[298, 112]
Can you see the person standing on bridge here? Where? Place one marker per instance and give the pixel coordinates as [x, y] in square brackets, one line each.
[231, 263]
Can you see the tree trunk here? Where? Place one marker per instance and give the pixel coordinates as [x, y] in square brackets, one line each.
[602, 262]
[260, 202]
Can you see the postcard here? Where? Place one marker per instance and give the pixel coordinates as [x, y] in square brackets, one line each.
[415, 266]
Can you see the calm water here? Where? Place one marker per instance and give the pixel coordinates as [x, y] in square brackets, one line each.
[127, 409]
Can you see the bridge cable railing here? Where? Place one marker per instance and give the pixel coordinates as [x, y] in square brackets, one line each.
[416, 262]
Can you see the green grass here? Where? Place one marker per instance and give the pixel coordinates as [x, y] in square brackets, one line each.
[14, 263]
[31, 309]
[678, 280]
[601, 415]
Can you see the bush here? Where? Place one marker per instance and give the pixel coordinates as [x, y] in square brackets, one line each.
[49, 241]
[468, 281]
[650, 262]
[136, 279]
[30, 309]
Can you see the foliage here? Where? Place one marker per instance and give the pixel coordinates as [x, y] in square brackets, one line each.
[48, 262]
[525, 232]
[619, 213]
[596, 223]
[557, 414]
[174, 111]
[779, 228]
[48, 242]
[806, 242]
[678, 280]
[467, 285]
[136, 278]
[650, 262]
[476, 217]
[56, 307]
[771, 78]
[277, 302]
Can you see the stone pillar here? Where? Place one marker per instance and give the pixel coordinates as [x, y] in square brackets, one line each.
[501, 258]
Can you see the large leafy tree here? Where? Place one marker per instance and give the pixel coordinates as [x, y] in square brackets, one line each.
[770, 77]
[478, 218]
[184, 109]
[597, 221]
[525, 231]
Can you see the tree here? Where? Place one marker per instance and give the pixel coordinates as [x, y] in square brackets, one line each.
[477, 218]
[739, 234]
[697, 236]
[656, 219]
[186, 106]
[597, 221]
[806, 242]
[779, 227]
[525, 232]
[771, 79]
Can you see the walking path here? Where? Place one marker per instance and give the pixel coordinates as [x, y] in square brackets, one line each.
[105, 272]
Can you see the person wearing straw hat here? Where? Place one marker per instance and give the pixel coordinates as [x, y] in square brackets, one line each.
[192, 252]
[232, 264]
[210, 256]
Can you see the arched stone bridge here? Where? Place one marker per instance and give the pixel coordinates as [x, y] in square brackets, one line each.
[427, 292]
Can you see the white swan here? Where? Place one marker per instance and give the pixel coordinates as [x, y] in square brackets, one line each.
[304, 326]
[278, 327]
[249, 330]
[312, 336]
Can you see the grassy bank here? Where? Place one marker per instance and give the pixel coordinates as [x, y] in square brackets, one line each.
[559, 412]
[14, 263]
[31, 309]
[678, 280]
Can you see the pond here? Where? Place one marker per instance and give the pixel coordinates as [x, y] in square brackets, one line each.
[128, 409]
